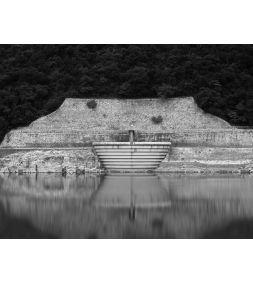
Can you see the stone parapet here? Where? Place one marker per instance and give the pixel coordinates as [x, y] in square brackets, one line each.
[215, 138]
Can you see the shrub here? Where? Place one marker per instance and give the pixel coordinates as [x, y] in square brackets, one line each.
[166, 91]
[157, 119]
[92, 104]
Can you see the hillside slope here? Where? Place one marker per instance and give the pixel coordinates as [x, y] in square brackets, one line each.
[36, 79]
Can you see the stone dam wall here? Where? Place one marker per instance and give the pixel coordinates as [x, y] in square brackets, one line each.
[74, 124]
[214, 138]
[194, 134]
[117, 115]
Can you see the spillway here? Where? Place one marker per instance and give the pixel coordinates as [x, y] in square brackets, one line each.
[131, 155]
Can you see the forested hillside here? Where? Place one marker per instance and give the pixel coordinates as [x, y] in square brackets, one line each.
[35, 79]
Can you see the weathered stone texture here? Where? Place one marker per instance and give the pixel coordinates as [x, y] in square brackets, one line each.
[48, 161]
[212, 137]
[210, 155]
[195, 135]
[74, 124]
[118, 115]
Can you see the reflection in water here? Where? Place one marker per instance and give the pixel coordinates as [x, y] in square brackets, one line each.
[12, 227]
[126, 206]
[126, 190]
[51, 185]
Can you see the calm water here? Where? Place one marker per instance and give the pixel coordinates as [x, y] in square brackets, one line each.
[126, 206]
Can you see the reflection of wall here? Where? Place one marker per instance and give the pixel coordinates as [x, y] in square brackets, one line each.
[224, 188]
[52, 185]
[45, 161]
[72, 219]
[140, 190]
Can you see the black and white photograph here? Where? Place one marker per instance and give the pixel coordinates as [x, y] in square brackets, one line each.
[126, 141]
[128, 128]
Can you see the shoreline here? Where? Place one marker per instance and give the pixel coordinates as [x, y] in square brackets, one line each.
[206, 171]
[83, 161]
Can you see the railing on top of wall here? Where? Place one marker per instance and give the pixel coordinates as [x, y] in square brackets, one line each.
[244, 127]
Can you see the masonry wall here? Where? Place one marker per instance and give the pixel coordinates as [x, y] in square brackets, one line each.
[214, 138]
[118, 115]
[212, 155]
[74, 124]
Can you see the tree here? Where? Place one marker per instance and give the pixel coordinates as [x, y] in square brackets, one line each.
[166, 91]
[35, 79]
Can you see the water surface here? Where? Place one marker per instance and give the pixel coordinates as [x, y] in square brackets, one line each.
[126, 206]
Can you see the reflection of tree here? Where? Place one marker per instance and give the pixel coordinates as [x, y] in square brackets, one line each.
[238, 229]
[18, 228]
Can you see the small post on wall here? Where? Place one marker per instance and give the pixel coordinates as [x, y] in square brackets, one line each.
[131, 135]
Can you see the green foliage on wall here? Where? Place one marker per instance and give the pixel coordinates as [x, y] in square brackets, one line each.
[35, 79]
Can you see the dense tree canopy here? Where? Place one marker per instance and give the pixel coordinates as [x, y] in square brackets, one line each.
[35, 79]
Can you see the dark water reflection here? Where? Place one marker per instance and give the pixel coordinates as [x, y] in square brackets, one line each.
[126, 206]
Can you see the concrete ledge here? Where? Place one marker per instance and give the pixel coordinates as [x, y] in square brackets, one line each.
[214, 138]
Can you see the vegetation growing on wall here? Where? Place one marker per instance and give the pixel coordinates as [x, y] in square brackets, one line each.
[35, 79]
[92, 104]
[157, 119]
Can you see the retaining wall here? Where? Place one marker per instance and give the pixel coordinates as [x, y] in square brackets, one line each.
[117, 115]
[212, 155]
[74, 124]
[194, 134]
[215, 138]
